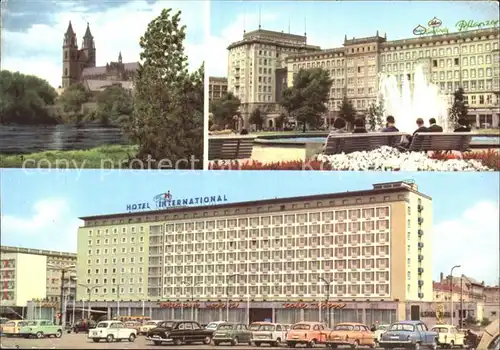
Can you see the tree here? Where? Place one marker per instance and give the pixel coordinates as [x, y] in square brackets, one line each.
[256, 118]
[281, 121]
[73, 98]
[25, 99]
[459, 108]
[224, 109]
[375, 117]
[167, 122]
[114, 105]
[306, 99]
[347, 111]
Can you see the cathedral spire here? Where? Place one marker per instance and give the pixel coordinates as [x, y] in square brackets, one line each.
[120, 57]
[88, 39]
[88, 34]
[70, 29]
[69, 36]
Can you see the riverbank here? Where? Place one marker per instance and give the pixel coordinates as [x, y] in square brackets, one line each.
[103, 157]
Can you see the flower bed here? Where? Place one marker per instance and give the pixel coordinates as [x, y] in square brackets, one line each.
[382, 159]
[387, 158]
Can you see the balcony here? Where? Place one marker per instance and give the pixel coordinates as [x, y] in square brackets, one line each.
[420, 221]
[420, 257]
[420, 283]
[420, 270]
[420, 233]
[420, 245]
[420, 207]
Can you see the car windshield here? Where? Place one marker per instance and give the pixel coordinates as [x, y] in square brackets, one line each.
[151, 323]
[212, 325]
[225, 326]
[382, 328]
[301, 327]
[32, 323]
[255, 327]
[343, 327]
[440, 329]
[166, 324]
[402, 327]
[266, 328]
[102, 325]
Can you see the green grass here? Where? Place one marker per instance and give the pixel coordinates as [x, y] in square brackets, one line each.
[104, 157]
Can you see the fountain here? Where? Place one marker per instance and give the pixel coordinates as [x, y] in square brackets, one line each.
[406, 104]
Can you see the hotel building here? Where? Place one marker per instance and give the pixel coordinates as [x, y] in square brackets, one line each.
[367, 252]
[469, 59]
[217, 87]
[29, 274]
[257, 68]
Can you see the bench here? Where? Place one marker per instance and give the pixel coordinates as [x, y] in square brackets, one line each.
[440, 141]
[230, 147]
[349, 143]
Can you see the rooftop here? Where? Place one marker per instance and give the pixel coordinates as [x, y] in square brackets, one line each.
[11, 249]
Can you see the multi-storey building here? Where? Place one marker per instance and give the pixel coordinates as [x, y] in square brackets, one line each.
[373, 247]
[23, 279]
[217, 87]
[492, 302]
[252, 65]
[52, 262]
[468, 59]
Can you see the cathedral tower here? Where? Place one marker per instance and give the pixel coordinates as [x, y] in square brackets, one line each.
[89, 47]
[70, 58]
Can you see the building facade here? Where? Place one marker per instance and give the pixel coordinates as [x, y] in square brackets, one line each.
[32, 260]
[217, 87]
[79, 65]
[371, 246]
[492, 302]
[23, 279]
[466, 59]
[252, 63]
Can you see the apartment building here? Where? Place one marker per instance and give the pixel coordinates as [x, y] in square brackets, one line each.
[23, 279]
[252, 65]
[217, 87]
[492, 302]
[372, 246]
[469, 59]
[53, 263]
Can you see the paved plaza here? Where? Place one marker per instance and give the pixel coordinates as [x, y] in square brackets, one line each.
[80, 341]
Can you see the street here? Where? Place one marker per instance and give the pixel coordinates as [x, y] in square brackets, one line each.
[80, 341]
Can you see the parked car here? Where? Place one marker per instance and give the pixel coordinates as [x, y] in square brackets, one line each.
[269, 333]
[12, 328]
[3, 320]
[213, 325]
[309, 333]
[111, 331]
[84, 326]
[133, 325]
[449, 336]
[178, 332]
[409, 334]
[234, 333]
[149, 325]
[379, 330]
[40, 329]
[352, 334]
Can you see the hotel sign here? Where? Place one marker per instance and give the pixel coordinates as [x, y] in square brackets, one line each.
[179, 305]
[322, 305]
[166, 200]
[435, 27]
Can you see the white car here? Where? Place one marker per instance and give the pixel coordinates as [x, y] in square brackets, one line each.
[111, 331]
[381, 329]
[268, 333]
[214, 325]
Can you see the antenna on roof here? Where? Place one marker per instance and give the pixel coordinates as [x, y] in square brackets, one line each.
[260, 18]
[305, 28]
[244, 23]
[288, 25]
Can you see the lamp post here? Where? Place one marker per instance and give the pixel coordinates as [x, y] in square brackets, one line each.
[62, 304]
[227, 294]
[192, 285]
[451, 292]
[327, 285]
[89, 293]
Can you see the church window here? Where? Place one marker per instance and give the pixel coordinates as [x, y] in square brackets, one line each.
[65, 72]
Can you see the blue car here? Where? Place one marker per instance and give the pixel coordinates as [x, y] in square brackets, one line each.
[409, 335]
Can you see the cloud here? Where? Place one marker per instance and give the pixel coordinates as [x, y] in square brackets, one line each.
[471, 240]
[38, 49]
[51, 226]
[217, 56]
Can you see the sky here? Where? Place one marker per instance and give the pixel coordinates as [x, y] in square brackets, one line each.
[40, 208]
[33, 31]
[327, 22]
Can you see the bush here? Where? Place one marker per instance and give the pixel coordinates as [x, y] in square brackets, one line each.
[489, 158]
[255, 165]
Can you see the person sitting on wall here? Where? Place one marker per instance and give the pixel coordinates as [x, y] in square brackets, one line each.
[338, 127]
[391, 125]
[359, 126]
[433, 127]
[463, 125]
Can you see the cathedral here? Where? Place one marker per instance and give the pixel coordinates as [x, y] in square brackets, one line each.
[79, 65]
